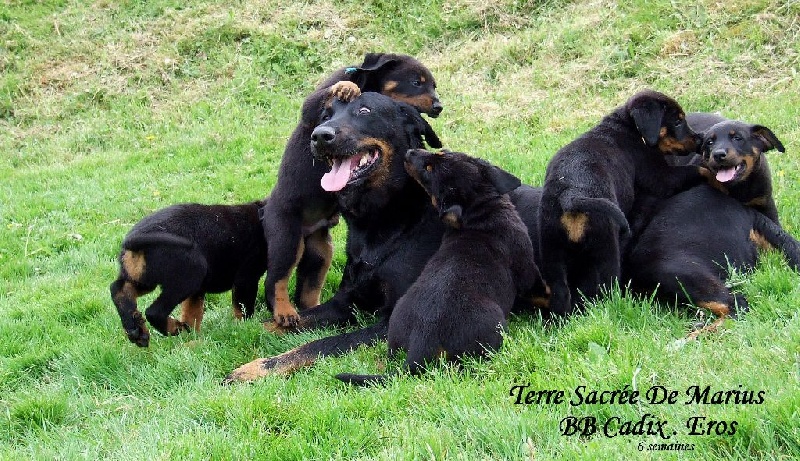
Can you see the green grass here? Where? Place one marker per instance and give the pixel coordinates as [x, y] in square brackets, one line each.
[110, 110]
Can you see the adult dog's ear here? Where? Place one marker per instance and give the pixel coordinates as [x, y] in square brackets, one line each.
[452, 216]
[417, 128]
[766, 136]
[373, 64]
[648, 114]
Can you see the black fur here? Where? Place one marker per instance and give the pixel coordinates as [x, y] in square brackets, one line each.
[686, 249]
[300, 213]
[590, 188]
[460, 303]
[189, 250]
[392, 228]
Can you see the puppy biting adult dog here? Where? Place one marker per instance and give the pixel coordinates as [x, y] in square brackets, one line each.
[591, 184]
[300, 213]
[459, 304]
[189, 250]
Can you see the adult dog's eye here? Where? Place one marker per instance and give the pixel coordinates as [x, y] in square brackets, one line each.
[363, 111]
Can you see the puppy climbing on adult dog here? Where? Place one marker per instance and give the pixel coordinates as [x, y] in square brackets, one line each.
[459, 304]
[189, 250]
[392, 229]
[590, 187]
[300, 213]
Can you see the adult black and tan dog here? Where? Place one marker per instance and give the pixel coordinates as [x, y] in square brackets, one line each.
[189, 250]
[460, 303]
[591, 184]
[687, 249]
[733, 151]
[392, 229]
[300, 213]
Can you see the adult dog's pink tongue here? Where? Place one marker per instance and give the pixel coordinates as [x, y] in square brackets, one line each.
[337, 178]
[726, 175]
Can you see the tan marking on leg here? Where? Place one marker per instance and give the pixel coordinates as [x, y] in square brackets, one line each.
[134, 264]
[282, 364]
[721, 310]
[238, 314]
[284, 312]
[312, 289]
[759, 240]
[575, 225]
[192, 310]
[175, 327]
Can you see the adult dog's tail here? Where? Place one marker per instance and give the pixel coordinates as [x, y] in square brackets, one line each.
[139, 241]
[777, 238]
[601, 205]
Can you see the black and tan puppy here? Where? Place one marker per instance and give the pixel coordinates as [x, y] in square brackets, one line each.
[590, 187]
[392, 230]
[460, 303]
[733, 150]
[189, 250]
[686, 250]
[300, 213]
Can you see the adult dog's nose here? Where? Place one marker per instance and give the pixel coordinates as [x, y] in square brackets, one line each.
[323, 136]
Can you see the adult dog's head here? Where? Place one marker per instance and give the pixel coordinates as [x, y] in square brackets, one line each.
[662, 123]
[365, 141]
[732, 149]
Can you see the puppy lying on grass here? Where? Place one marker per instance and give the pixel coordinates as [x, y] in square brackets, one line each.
[189, 250]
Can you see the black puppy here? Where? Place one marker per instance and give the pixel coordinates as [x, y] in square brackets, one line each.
[189, 250]
[590, 187]
[695, 236]
[300, 213]
[733, 150]
[460, 303]
[392, 230]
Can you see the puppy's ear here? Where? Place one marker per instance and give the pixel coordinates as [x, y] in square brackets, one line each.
[452, 216]
[418, 128]
[767, 137]
[501, 179]
[647, 114]
[373, 62]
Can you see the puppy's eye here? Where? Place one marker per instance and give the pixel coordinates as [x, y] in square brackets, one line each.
[364, 111]
[678, 123]
[736, 137]
[709, 142]
[416, 82]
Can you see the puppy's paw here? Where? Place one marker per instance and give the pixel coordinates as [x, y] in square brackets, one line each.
[280, 365]
[139, 336]
[286, 315]
[345, 91]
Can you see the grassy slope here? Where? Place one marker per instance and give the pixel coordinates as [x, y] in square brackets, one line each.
[110, 110]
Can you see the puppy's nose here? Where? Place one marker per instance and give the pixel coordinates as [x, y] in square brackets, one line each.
[323, 136]
[719, 155]
[436, 109]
